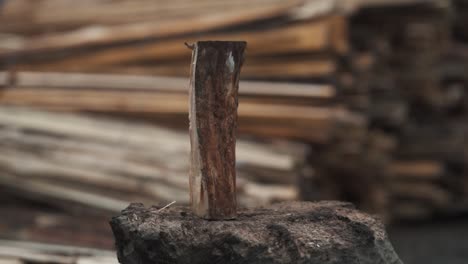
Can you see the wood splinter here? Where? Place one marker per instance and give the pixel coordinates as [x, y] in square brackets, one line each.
[214, 84]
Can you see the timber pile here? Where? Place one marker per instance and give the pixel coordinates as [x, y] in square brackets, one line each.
[17, 252]
[287, 39]
[381, 100]
[146, 37]
[461, 18]
[272, 109]
[64, 175]
[27, 219]
[77, 162]
[299, 39]
[405, 73]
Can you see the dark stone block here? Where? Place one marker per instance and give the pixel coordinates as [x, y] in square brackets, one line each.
[299, 232]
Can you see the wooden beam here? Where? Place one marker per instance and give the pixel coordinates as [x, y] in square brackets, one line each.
[214, 86]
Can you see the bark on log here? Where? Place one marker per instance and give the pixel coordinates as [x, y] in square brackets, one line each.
[324, 232]
[213, 122]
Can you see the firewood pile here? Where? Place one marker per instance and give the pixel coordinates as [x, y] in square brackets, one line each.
[56, 167]
[429, 166]
[17, 252]
[375, 91]
[407, 73]
[96, 163]
[268, 109]
[147, 37]
[461, 18]
[25, 218]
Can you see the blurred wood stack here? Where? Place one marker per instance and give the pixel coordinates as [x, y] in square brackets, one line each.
[376, 88]
[292, 39]
[47, 158]
[287, 40]
[56, 166]
[17, 252]
[460, 8]
[408, 75]
[272, 109]
[103, 164]
[28, 219]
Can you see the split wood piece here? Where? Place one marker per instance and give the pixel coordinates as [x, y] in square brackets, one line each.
[295, 232]
[214, 84]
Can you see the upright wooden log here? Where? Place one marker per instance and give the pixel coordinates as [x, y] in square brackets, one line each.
[214, 84]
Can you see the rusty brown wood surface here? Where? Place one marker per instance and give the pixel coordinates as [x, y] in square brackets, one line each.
[213, 122]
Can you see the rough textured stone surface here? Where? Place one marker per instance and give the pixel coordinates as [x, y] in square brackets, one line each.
[299, 232]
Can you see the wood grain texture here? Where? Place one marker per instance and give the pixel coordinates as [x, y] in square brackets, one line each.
[213, 122]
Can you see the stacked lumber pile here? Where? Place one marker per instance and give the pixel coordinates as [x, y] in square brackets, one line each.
[287, 40]
[49, 160]
[377, 88]
[94, 163]
[19, 252]
[270, 109]
[147, 37]
[27, 219]
[406, 74]
[460, 8]
[62, 175]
